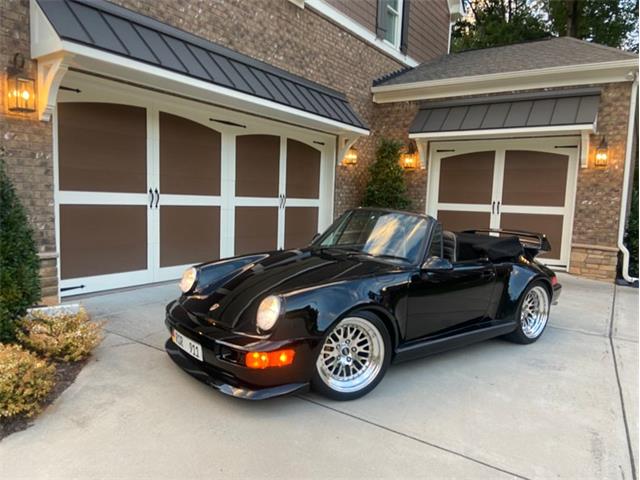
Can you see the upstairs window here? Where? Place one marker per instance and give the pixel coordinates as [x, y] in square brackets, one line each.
[390, 21]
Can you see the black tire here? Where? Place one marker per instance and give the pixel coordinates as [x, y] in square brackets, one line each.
[328, 384]
[522, 334]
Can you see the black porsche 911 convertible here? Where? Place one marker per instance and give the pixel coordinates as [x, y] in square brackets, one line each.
[379, 286]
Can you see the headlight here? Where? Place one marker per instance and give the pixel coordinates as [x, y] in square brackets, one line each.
[268, 312]
[189, 278]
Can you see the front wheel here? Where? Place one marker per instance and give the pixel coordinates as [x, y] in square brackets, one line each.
[533, 314]
[353, 358]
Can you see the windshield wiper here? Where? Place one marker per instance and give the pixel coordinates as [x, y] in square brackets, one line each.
[382, 255]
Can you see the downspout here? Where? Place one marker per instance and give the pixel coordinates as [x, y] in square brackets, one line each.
[628, 171]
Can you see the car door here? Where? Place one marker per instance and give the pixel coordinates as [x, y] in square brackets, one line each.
[440, 301]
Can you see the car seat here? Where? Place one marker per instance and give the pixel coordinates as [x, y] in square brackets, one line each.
[449, 245]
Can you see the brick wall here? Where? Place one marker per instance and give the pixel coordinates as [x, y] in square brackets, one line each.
[27, 144]
[598, 194]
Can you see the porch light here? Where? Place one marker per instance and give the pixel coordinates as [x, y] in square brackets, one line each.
[351, 157]
[602, 154]
[21, 90]
[409, 159]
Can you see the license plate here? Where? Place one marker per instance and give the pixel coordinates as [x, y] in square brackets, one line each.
[192, 348]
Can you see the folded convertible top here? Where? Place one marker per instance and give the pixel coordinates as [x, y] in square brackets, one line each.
[474, 245]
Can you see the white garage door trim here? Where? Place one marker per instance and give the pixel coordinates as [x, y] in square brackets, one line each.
[93, 89]
[566, 145]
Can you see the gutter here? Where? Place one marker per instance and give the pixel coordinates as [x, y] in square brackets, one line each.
[628, 168]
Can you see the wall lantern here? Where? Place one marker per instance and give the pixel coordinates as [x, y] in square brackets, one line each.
[21, 90]
[351, 157]
[409, 159]
[602, 154]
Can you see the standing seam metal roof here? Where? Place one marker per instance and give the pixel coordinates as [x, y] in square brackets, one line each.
[544, 109]
[105, 26]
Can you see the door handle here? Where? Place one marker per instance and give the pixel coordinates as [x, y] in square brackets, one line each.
[488, 274]
[157, 197]
[150, 198]
[493, 206]
[498, 209]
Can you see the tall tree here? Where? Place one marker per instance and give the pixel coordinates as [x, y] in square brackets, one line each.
[608, 22]
[490, 23]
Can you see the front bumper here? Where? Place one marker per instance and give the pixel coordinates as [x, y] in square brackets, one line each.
[222, 367]
[208, 376]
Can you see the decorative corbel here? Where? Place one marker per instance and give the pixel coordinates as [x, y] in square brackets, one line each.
[423, 149]
[344, 144]
[584, 148]
[51, 70]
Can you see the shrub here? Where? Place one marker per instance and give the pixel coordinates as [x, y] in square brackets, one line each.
[19, 264]
[65, 336]
[24, 381]
[386, 187]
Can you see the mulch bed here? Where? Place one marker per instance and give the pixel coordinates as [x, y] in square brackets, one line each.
[66, 373]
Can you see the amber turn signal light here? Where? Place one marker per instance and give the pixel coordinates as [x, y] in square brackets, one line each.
[277, 358]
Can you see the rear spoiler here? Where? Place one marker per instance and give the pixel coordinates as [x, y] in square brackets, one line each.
[529, 240]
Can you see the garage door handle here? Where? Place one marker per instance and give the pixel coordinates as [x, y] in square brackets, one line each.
[498, 209]
[493, 206]
[150, 198]
[157, 197]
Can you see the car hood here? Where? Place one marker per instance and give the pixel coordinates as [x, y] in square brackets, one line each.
[230, 290]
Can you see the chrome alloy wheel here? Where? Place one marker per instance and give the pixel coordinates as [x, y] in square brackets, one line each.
[534, 312]
[351, 356]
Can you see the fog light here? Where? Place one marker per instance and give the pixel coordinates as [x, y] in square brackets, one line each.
[277, 358]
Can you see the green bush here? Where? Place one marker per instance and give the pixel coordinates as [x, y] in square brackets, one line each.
[24, 381]
[386, 187]
[65, 336]
[19, 263]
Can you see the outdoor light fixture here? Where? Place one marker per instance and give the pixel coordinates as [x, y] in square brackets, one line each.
[21, 90]
[602, 154]
[351, 157]
[409, 159]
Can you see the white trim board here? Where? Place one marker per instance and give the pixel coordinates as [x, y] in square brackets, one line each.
[502, 132]
[564, 76]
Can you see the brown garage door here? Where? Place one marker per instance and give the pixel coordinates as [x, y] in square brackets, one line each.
[508, 188]
[189, 203]
[103, 183]
[277, 195]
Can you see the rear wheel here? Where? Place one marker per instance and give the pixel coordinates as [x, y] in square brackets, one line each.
[353, 358]
[533, 314]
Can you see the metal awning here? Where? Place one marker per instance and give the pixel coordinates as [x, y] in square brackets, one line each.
[563, 110]
[95, 33]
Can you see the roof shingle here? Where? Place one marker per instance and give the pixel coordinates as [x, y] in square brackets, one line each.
[547, 53]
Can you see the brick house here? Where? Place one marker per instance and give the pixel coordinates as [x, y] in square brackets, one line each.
[165, 133]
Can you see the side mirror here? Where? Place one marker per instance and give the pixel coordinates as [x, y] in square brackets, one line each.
[436, 264]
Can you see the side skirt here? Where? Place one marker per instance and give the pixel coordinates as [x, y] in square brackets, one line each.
[429, 347]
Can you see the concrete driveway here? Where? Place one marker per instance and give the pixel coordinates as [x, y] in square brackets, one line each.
[566, 406]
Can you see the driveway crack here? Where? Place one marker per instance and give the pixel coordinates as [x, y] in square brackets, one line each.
[411, 437]
[618, 381]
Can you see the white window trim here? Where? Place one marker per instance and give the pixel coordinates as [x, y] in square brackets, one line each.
[398, 30]
[336, 16]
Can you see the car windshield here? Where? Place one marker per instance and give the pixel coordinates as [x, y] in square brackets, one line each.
[389, 235]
